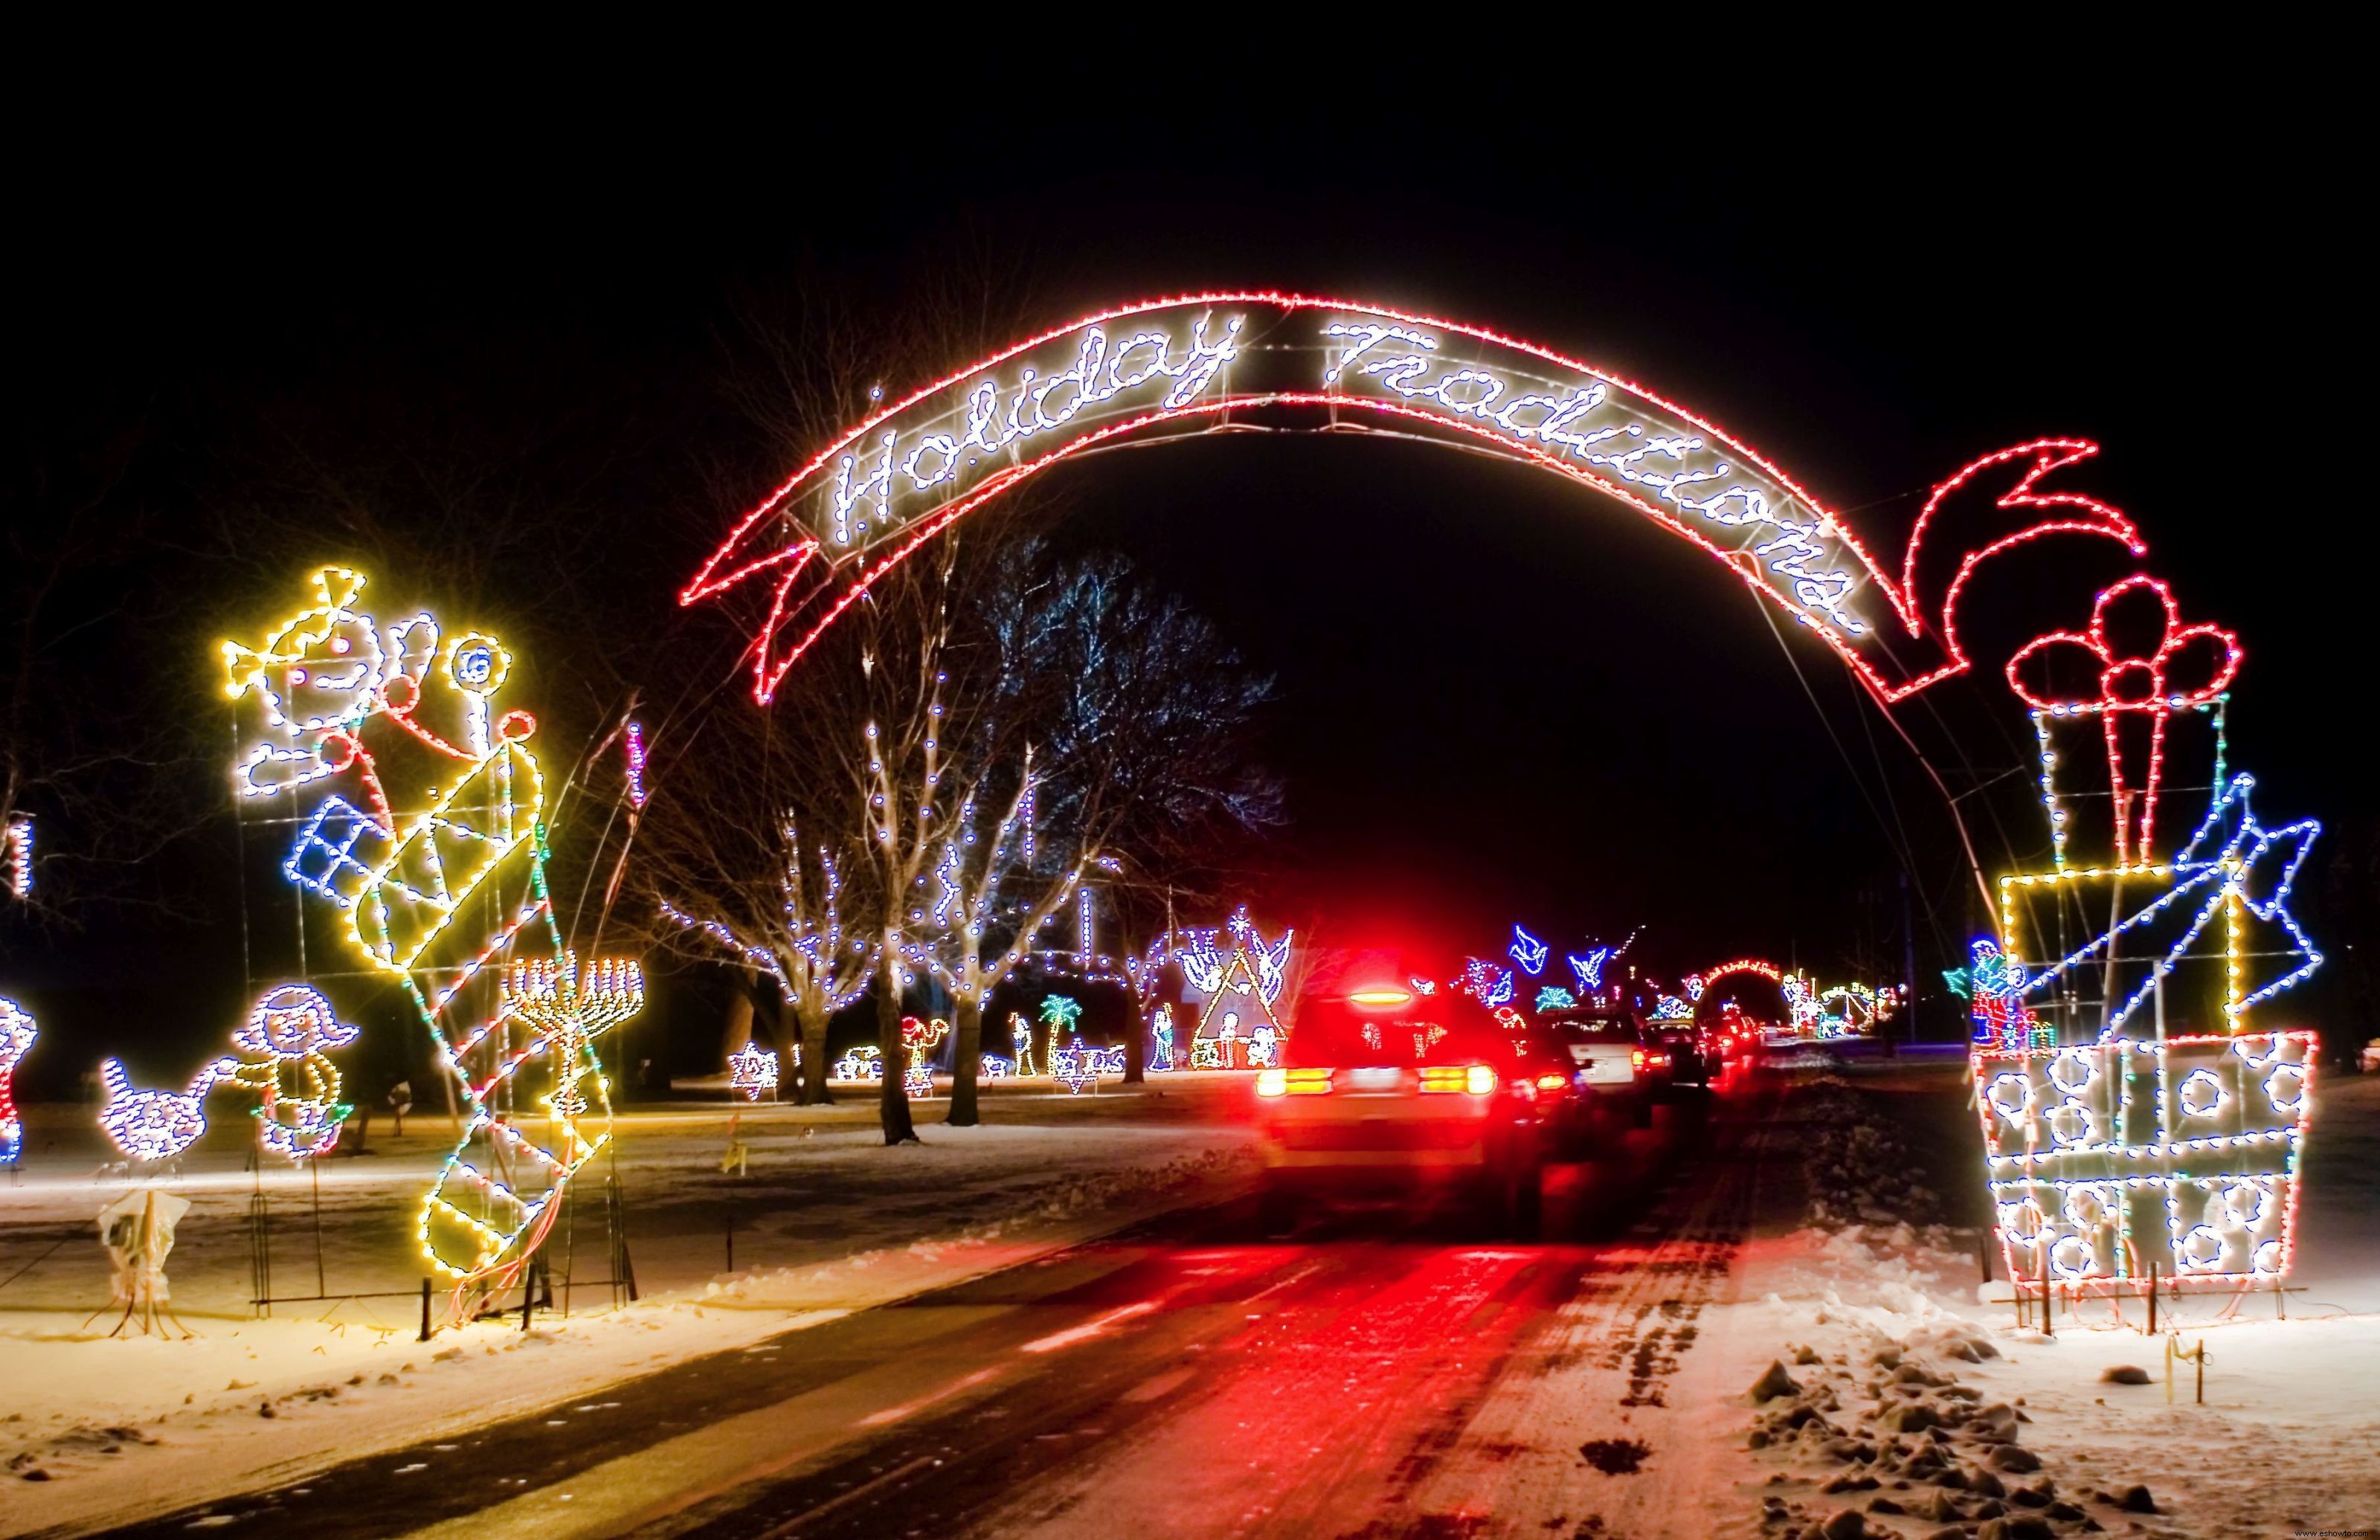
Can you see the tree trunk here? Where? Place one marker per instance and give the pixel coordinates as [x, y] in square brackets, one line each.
[810, 1089]
[893, 1096]
[1135, 1049]
[739, 1018]
[968, 1061]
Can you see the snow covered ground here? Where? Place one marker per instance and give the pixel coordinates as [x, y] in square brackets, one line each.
[1918, 1408]
[96, 1430]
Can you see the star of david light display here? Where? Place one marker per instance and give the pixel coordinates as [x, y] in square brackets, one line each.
[752, 1070]
[419, 807]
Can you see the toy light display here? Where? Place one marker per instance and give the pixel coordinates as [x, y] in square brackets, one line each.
[153, 1126]
[752, 1070]
[420, 806]
[16, 1034]
[1553, 997]
[1528, 952]
[1020, 1034]
[299, 1110]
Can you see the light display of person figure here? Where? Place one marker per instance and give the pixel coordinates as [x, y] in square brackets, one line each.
[1020, 1032]
[418, 808]
[299, 1110]
[1162, 1029]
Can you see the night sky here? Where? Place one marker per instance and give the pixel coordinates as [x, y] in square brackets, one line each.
[1501, 700]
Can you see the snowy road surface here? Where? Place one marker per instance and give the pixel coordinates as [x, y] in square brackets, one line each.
[1370, 1374]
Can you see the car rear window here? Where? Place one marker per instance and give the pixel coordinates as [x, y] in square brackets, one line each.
[1592, 1029]
[1435, 1029]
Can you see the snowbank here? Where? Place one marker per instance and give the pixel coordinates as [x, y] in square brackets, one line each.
[1910, 1402]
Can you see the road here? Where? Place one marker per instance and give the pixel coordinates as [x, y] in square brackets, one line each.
[1373, 1373]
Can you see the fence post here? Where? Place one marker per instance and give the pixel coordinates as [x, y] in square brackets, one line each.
[425, 1310]
[2152, 1299]
[2048, 1314]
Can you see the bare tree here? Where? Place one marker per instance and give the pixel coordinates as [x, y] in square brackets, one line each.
[94, 773]
[728, 882]
[1115, 731]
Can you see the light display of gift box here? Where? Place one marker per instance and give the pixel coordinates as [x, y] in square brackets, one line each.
[2136, 1122]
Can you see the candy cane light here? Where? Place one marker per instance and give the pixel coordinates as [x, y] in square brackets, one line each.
[419, 805]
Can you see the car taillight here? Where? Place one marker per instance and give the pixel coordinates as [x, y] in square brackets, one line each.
[1660, 1059]
[1479, 1080]
[1441, 1077]
[1637, 1059]
[1293, 1082]
[1551, 1081]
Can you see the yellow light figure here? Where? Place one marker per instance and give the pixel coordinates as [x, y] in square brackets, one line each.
[424, 829]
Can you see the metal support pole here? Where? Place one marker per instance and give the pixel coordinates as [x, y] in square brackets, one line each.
[2152, 1299]
[2048, 1314]
[425, 1310]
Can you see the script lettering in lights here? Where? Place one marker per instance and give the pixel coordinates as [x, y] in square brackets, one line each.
[1171, 368]
[1586, 423]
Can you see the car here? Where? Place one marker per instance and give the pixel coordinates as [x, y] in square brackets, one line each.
[1610, 1076]
[1676, 1055]
[1381, 1088]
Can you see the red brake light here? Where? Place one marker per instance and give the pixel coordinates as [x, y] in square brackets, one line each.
[1272, 1082]
[1387, 994]
[1550, 1083]
[1635, 1061]
[1479, 1080]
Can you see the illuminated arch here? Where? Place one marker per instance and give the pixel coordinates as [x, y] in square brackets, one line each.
[1173, 369]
